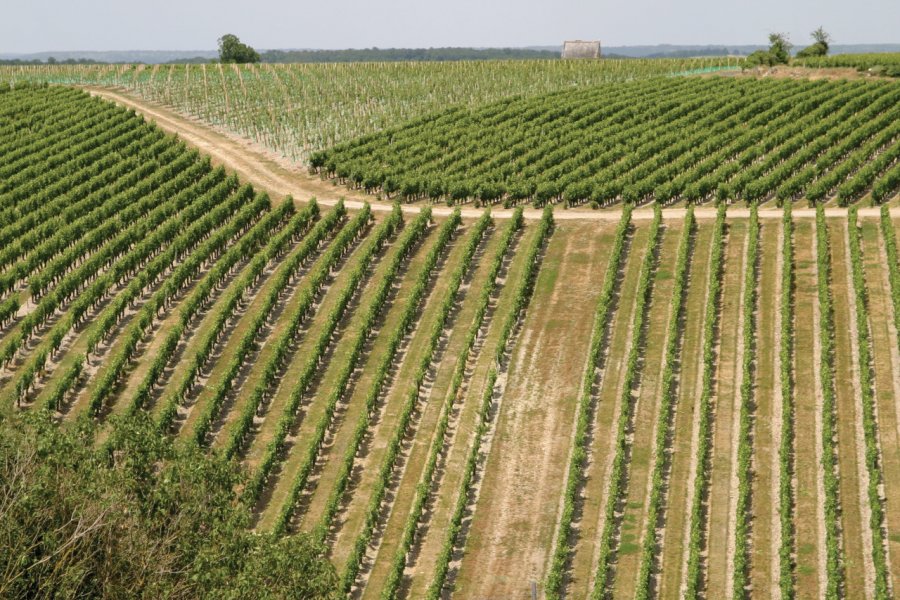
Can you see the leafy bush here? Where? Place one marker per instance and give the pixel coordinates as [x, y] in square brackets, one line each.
[143, 519]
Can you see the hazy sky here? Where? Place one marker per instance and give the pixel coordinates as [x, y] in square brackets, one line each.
[38, 25]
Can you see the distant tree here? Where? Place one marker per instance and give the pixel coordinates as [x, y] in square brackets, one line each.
[232, 50]
[760, 58]
[820, 46]
[779, 53]
[780, 47]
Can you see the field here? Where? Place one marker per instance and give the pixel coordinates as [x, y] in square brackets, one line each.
[296, 109]
[480, 402]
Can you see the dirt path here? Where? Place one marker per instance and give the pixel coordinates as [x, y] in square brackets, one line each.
[819, 410]
[517, 508]
[279, 177]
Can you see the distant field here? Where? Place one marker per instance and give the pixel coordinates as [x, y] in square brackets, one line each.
[299, 108]
[653, 404]
[880, 63]
[676, 139]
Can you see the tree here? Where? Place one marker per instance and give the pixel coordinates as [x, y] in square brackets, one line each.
[820, 45]
[779, 53]
[780, 47]
[232, 50]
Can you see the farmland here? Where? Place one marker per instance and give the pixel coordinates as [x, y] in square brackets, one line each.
[471, 389]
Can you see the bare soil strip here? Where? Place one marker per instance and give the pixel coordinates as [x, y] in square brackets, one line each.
[280, 178]
[519, 499]
[819, 413]
[608, 390]
[855, 514]
[778, 401]
[726, 402]
[643, 434]
[676, 532]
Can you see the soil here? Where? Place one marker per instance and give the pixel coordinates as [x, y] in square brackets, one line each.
[517, 509]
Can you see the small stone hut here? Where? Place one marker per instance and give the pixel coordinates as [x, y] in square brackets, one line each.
[581, 49]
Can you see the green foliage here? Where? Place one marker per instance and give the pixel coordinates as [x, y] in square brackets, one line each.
[819, 47]
[232, 50]
[728, 138]
[883, 64]
[786, 444]
[741, 575]
[760, 58]
[780, 48]
[698, 532]
[834, 566]
[145, 519]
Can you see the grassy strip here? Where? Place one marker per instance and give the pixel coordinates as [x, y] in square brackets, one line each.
[520, 303]
[834, 567]
[423, 490]
[554, 585]
[618, 472]
[741, 575]
[701, 483]
[400, 429]
[666, 410]
[786, 451]
[870, 423]
[275, 447]
[175, 283]
[230, 303]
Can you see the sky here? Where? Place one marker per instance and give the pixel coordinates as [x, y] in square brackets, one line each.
[44, 25]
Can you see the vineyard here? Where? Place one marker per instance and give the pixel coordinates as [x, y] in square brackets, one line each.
[295, 109]
[474, 403]
[880, 64]
[682, 139]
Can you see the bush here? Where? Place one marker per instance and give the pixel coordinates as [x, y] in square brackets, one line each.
[142, 519]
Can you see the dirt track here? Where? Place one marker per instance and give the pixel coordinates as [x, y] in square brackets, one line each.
[280, 178]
